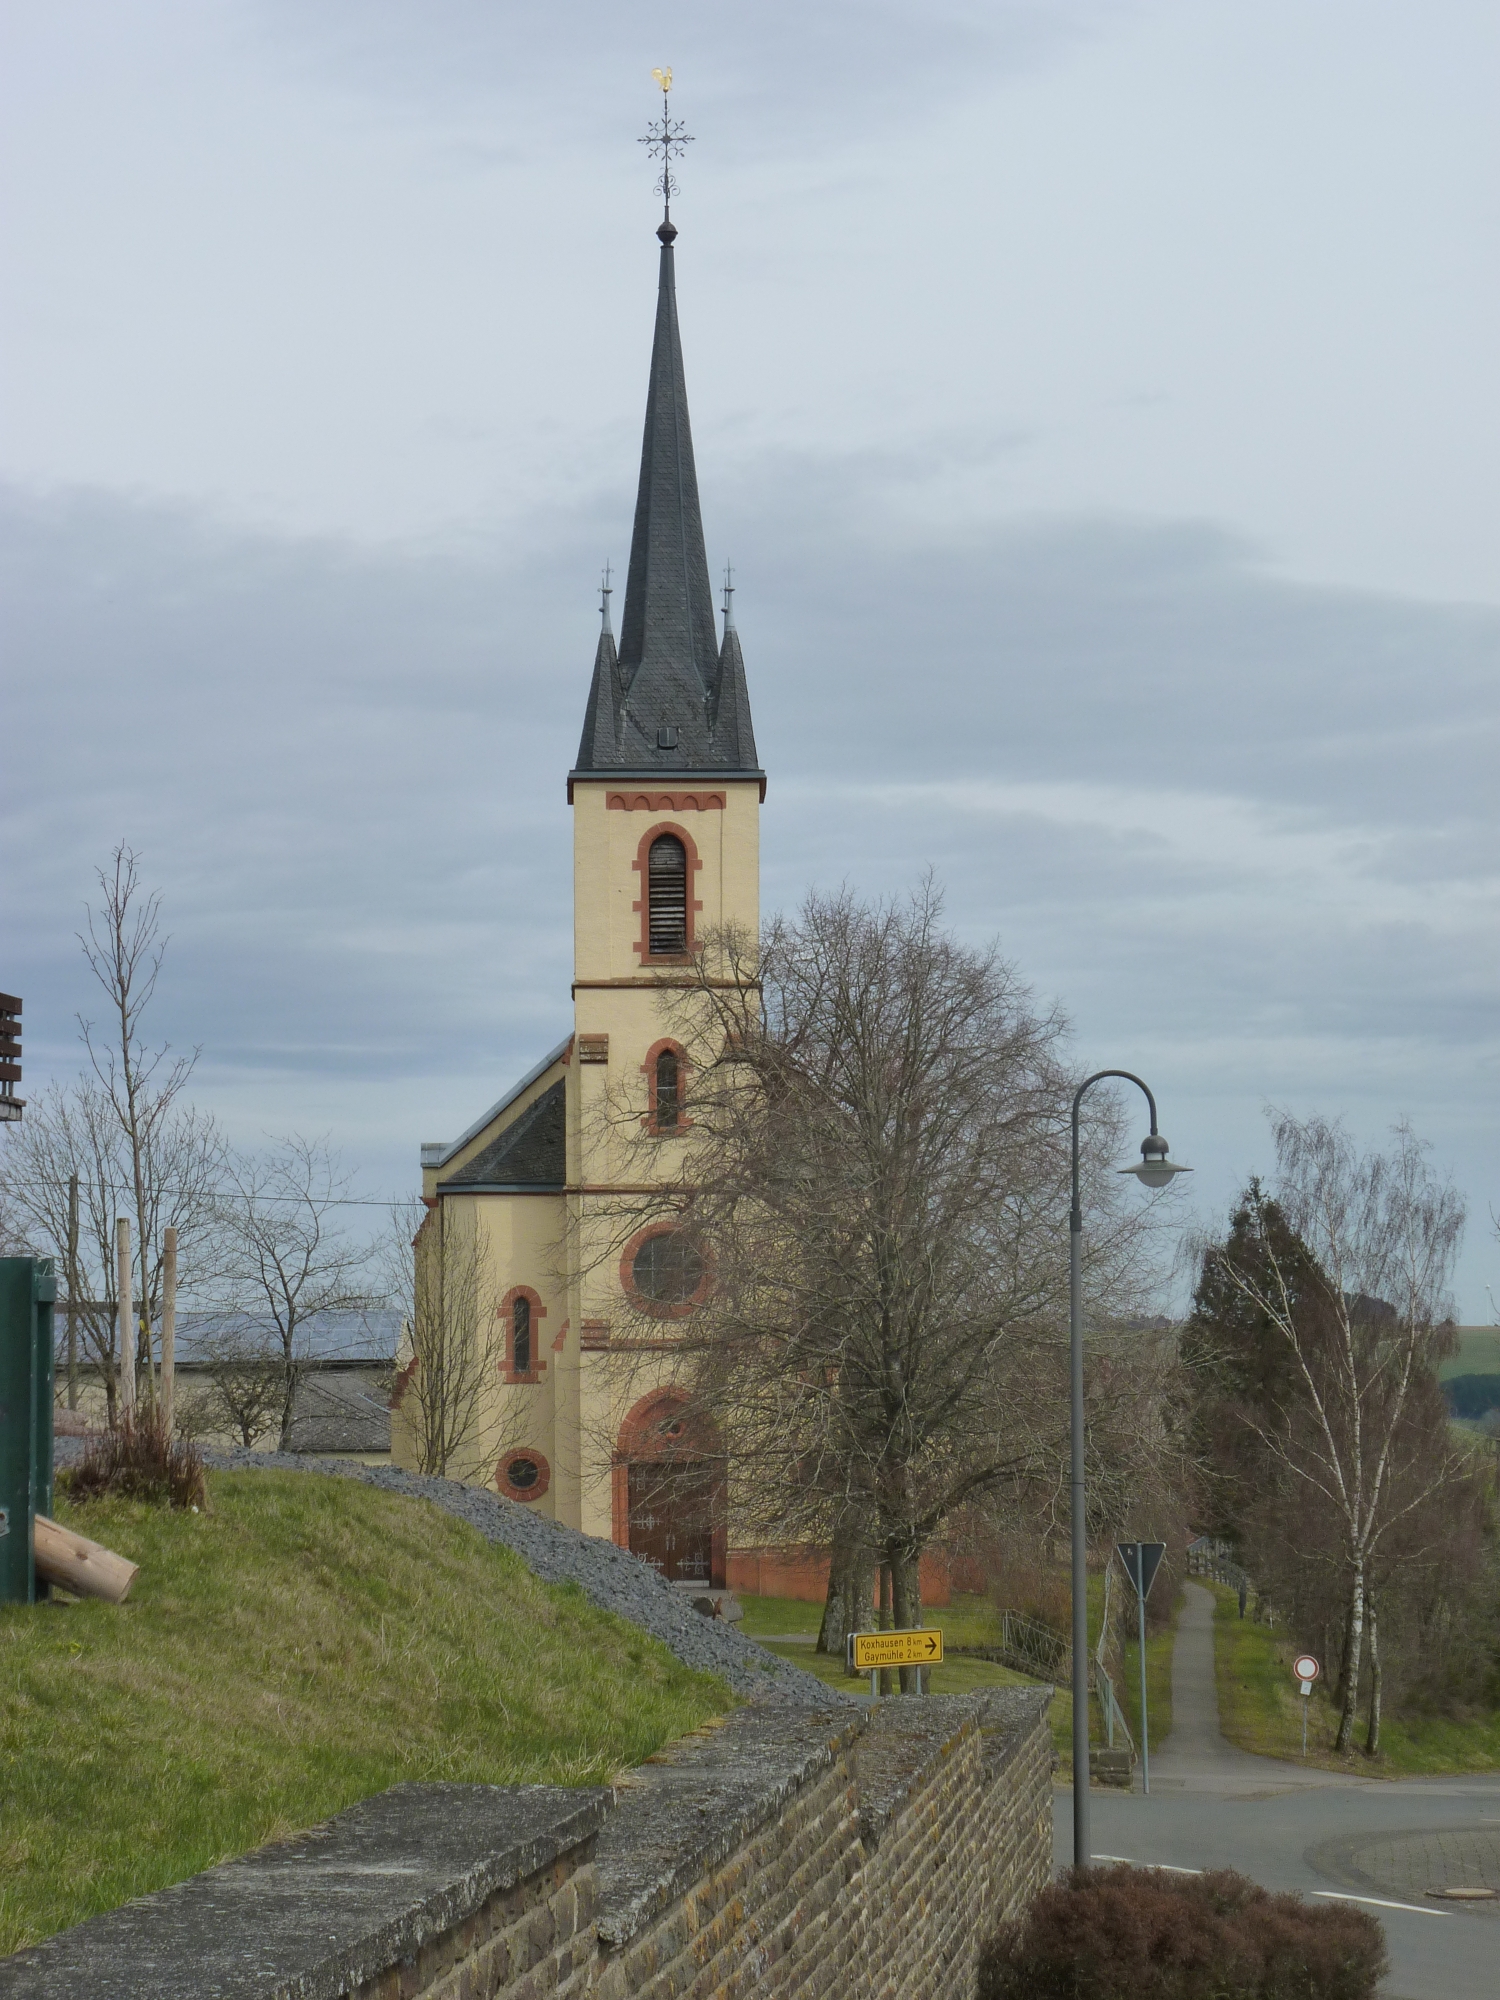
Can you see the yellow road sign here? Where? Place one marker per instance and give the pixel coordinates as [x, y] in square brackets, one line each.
[894, 1649]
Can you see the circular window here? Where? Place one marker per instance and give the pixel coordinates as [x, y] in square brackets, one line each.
[523, 1475]
[668, 1268]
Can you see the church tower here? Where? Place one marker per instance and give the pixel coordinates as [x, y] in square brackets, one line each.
[666, 795]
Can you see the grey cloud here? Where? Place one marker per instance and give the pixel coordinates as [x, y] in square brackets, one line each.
[791, 73]
[1207, 809]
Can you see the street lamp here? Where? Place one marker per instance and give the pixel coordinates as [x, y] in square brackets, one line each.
[1152, 1170]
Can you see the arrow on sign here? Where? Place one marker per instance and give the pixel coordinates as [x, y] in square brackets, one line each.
[1142, 1560]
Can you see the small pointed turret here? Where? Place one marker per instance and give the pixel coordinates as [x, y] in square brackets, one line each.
[601, 720]
[732, 728]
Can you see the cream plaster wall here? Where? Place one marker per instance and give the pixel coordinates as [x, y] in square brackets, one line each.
[628, 1005]
[566, 1246]
[607, 884]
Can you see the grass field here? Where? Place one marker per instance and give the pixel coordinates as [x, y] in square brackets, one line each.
[1260, 1709]
[306, 1643]
[1478, 1353]
[967, 1621]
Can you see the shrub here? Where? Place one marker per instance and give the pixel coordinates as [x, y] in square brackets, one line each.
[1144, 1934]
[139, 1460]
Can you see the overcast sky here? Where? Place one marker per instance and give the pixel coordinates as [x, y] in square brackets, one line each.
[1097, 402]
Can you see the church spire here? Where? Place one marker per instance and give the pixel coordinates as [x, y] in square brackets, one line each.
[657, 705]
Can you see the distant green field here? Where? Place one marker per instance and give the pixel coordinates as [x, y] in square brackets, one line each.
[1478, 1353]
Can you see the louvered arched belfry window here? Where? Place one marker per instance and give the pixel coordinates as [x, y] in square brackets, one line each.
[666, 888]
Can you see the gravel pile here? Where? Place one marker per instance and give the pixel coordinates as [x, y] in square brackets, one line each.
[608, 1576]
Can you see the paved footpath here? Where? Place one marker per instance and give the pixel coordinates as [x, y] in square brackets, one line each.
[1381, 1843]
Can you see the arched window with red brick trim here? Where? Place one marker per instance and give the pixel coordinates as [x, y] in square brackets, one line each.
[521, 1314]
[666, 1073]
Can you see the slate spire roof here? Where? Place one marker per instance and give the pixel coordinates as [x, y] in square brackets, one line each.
[671, 698]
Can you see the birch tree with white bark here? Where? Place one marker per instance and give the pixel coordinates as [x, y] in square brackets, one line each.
[1347, 1266]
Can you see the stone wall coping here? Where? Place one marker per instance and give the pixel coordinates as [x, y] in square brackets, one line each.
[310, 1918]
[688, 1808]
[905, 1738]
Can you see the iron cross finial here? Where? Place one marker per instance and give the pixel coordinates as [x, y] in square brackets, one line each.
[665, 138]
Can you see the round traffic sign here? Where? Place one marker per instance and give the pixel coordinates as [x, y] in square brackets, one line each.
[1305, 1667]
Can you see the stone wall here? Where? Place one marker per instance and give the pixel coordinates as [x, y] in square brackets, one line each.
[842, 1853]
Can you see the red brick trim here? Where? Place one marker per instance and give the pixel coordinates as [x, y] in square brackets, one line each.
[642, 945]
[619, 1502]
[507, 1486]
[655, 802]
[658, 1308]
[507, 1363]
[560, 1338]
[648, 1070]
[402, 1382]
[593, 1335]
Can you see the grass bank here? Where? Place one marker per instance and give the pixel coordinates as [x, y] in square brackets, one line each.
[1260, 1709]
[307, 1642]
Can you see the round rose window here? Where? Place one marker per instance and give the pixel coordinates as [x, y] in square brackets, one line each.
[668, 1268]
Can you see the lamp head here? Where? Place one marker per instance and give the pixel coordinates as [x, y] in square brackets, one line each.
[1154, 1169]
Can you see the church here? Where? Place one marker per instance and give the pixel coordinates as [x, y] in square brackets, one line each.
[666, 794]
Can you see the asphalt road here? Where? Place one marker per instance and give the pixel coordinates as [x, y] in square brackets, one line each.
[1380, 1843]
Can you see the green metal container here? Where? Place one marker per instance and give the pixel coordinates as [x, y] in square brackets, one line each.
[28, 1291]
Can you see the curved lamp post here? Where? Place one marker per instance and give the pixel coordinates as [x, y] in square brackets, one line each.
[1152, 1170]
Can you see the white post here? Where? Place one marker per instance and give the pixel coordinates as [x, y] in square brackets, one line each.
[168, 1323]
[126, 1309]
[72, 1291]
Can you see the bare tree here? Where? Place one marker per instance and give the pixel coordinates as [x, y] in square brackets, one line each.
[123, 944]
[867, 1220]
[1345, 1276]
[76, 1129]
[289, 1258]
[247, 1383]
[452, 1342]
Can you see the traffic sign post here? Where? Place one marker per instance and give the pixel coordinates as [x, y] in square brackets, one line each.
[868, 1652]
[11, 1106]
[1305, 1670]
[1142, 1560]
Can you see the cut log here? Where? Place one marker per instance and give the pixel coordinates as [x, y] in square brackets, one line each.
[80, 1565]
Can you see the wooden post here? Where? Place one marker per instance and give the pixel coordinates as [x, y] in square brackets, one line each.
[80, 1565]
[168, 1323]
[125, 1306]
[72, 1276]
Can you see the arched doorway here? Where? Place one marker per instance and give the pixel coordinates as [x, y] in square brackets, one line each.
[669, 1490]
